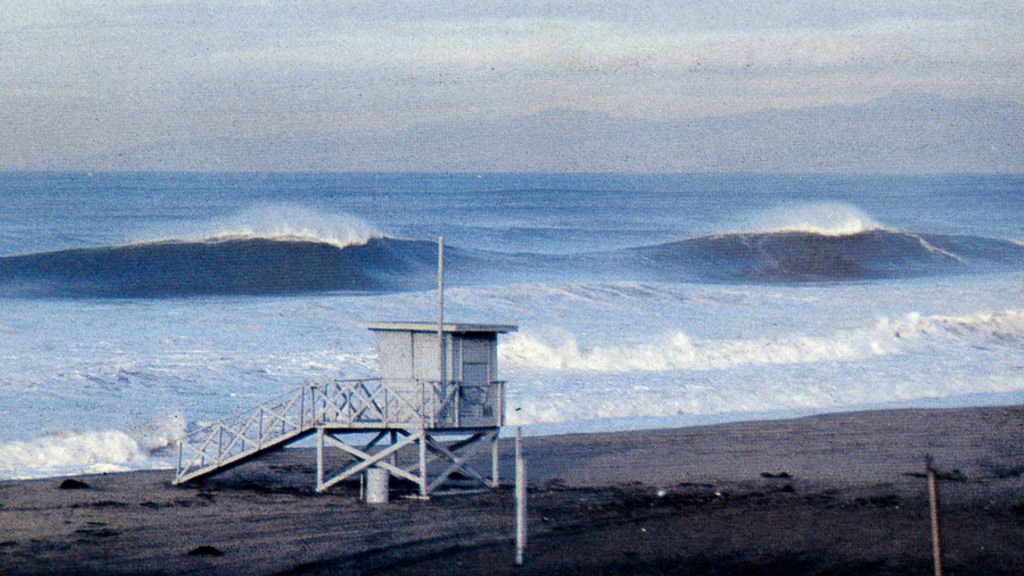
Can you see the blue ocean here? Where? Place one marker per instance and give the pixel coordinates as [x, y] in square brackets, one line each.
[134, 306]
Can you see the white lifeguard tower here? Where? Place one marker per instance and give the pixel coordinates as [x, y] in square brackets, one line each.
[438, 396]
[446, 417]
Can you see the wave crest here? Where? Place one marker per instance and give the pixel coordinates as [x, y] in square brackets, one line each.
[279, 222]
[823, 218]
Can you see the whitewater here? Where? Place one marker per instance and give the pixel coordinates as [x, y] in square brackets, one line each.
[136, 306]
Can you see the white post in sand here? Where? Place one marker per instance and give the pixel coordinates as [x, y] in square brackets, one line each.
[520, 498]
[933, 505]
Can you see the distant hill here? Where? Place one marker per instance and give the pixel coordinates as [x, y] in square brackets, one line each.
[897, 134]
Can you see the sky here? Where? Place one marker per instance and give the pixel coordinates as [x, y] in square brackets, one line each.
[81, 78]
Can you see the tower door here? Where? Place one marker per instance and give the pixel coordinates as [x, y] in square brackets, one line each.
[477, 373]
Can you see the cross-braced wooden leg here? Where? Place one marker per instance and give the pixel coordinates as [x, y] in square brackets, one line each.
[423, 463]
[364, 459]
[468, 447]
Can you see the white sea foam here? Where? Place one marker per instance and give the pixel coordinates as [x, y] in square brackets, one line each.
[90, 451]
[283, 222]
[677, 351]
[903, 361]
[825, 218]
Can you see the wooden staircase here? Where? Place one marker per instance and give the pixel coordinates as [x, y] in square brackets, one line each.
[414, 413]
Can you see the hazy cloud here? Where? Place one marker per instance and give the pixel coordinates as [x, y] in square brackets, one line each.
[80, 78]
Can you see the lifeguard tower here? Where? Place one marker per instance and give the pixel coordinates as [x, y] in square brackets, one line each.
[437, 402]
[446, 417]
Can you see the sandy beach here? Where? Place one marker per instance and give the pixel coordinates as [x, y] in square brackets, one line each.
[833, 494]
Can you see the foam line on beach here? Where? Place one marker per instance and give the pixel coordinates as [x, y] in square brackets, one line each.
[678, 351]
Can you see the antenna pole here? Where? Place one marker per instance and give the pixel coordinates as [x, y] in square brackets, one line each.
[440, 310]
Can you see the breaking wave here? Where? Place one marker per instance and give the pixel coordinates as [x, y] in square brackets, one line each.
[284, 222]
[228, 264]
[90, 452]
[820, 242]
[287, 250]
[677, 351]
[803, 256]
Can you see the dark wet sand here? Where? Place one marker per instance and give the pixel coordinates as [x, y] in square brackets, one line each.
[837, 494]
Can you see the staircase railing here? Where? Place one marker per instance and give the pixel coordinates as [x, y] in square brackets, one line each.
[238, 436]
[362, 403]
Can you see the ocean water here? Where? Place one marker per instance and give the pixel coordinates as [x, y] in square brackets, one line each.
[133, 306]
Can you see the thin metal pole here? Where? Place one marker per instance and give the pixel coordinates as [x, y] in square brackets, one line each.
[440, 310]
[181, 441]
[520, 498]
[933, 504]
[495, 467]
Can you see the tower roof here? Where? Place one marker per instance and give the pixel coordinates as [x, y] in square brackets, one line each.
[453, 327]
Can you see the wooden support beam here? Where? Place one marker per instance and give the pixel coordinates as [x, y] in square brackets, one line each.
[319, 457]
[394, 440]
[458, 445]
[376, 439]
[365, 460]
[422, 437]
[458, 462]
